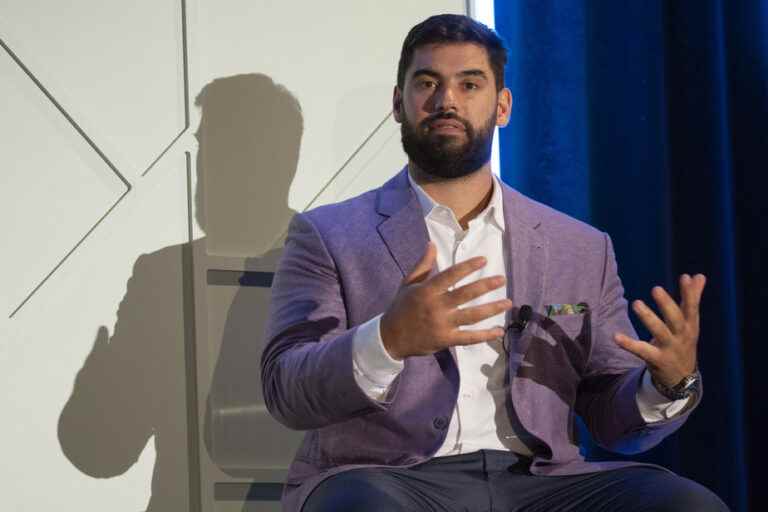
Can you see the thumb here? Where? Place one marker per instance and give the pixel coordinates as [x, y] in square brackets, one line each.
[102, 336]
[423, 267]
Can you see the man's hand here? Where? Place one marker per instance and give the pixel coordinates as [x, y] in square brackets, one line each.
[425, 316]
[671, 353]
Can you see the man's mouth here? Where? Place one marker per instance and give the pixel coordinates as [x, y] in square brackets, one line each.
[446, 125]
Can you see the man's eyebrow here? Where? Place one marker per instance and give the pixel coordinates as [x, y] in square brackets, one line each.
[434, 74]
[427, 72]
[474, 72]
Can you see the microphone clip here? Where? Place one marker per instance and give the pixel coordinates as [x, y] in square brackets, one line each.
[522, 318]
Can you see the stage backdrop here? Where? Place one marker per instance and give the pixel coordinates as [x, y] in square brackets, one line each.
[650, 120]
[152, 154]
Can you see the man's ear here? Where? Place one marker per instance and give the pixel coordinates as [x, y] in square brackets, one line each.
[397, 104]
[503, 107]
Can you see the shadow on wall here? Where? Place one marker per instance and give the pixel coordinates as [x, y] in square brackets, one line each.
[133, 386]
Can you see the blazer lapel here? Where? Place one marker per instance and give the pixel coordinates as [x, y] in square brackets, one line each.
[403, 230]
[405, 234]
[526, 267]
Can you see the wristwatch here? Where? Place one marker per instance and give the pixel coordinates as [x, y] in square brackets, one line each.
[683, 389]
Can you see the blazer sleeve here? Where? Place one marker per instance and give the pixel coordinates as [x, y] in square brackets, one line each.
[607, 394]
[306, 367]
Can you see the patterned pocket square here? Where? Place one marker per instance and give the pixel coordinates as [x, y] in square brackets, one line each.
[566, 309]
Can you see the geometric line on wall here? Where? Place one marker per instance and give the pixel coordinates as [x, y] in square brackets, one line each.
[67, 255]
[89, 141]
[64, 113]
[247, 277]
[109, 58]
[337, 174]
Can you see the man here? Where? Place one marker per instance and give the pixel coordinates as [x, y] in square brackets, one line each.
[437, 336]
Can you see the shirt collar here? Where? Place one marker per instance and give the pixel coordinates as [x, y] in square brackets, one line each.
[493, 212]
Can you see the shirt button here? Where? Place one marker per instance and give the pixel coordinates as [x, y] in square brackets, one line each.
[440, 423]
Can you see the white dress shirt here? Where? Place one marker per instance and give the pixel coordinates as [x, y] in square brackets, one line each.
[479, 420]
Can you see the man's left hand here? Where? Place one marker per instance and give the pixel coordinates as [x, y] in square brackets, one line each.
[671, 353]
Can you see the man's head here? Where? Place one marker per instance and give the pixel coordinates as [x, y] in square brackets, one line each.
[450, 95]
[454, 28]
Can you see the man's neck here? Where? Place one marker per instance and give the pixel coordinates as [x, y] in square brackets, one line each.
[466, 196]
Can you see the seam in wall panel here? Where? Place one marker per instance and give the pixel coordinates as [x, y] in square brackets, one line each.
[185, 81]
[190, 353]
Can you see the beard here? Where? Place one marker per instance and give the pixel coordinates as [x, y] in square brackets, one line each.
[442, 157]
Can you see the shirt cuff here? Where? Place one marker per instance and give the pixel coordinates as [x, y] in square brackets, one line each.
[374, 369]
[653, 405]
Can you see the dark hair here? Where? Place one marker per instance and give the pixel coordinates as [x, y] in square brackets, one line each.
[453, 28]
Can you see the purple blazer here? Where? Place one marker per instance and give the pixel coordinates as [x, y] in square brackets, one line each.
[343, 264]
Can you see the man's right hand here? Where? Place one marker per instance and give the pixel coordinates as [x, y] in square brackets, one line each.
[425, 316]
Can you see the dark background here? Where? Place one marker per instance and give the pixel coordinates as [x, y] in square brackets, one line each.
[649, 120]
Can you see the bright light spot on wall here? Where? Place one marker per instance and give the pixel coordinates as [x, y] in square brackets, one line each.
[482, 11]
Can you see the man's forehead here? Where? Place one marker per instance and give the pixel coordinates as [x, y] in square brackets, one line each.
[453, 57]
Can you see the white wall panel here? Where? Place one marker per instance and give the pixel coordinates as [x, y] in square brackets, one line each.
[338, 58]
[108, 368]
[53, 186]
[116, 67]
[48, 344]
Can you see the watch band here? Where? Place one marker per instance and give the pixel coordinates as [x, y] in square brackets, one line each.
[683, 389]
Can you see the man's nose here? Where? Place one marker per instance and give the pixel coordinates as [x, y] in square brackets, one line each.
[445, 99]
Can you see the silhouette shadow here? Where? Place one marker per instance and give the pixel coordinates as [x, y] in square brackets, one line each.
[144, 381]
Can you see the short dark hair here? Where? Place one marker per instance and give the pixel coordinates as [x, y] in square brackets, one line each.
[454, 28]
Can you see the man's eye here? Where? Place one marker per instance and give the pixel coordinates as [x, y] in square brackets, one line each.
[426, 84]
[470, 85]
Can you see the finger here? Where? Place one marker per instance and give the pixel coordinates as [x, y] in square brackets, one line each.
[456, 273]
[691, 289]
[474, 314]
[671, 312]
[641, 349]
[424, 266]
[472, 337]
[474, 290]
[652, 322]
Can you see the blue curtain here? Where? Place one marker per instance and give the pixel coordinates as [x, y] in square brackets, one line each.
[649, 120]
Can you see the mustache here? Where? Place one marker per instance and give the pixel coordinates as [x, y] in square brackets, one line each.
[445, 116]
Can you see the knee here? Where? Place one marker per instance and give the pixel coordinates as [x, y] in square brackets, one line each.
[689, 495]
[361, 490]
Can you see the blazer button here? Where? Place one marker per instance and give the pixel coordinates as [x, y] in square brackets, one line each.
[440, 423]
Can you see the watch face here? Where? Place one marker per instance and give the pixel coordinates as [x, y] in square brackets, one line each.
[687, 386]
[682, 389]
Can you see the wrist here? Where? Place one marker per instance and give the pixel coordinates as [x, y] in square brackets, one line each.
[387, 335]
[685, 387]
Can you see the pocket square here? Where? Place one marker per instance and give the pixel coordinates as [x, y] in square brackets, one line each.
[566, 309]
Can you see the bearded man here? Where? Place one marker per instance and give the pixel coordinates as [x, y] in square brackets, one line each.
[436, 337]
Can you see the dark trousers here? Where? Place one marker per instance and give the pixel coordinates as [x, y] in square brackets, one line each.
[491, 480]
